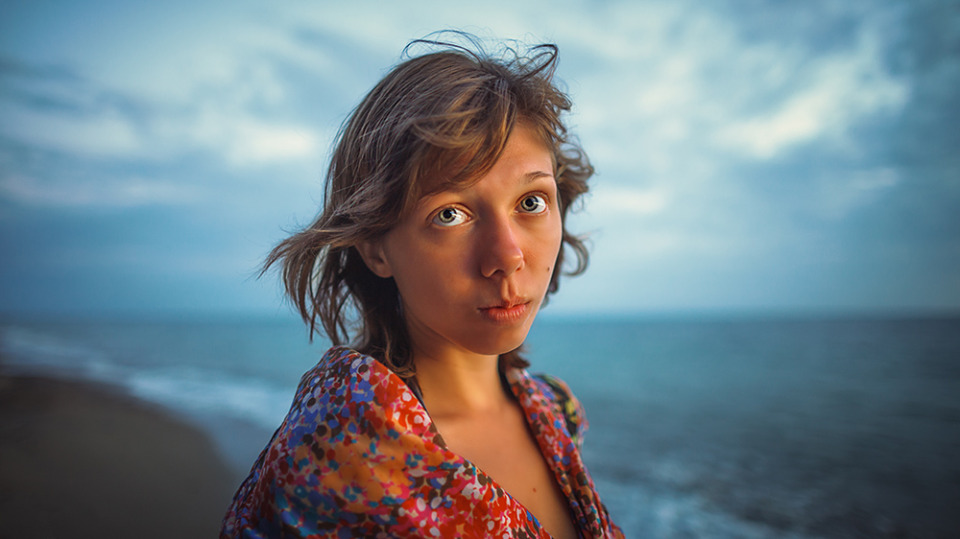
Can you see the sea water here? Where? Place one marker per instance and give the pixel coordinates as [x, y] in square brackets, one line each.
[699, 427]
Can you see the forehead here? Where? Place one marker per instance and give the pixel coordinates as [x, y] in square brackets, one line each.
[524, 152]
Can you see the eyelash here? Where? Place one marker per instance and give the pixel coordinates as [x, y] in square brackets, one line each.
[457, 212]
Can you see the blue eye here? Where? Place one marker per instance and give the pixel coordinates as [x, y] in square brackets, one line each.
[449, 217]
[533, 204]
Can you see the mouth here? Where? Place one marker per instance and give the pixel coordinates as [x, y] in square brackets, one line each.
[507, 312]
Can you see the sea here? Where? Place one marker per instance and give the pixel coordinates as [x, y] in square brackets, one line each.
[700, 425]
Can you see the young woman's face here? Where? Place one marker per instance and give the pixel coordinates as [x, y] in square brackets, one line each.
[473, 265]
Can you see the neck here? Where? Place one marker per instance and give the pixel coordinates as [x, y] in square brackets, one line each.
[460, 384]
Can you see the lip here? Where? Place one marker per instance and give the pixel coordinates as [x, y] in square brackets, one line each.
[508, 312]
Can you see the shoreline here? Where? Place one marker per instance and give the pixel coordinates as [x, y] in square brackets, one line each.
[81, 459]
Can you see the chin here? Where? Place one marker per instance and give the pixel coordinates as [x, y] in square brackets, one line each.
[500, 344]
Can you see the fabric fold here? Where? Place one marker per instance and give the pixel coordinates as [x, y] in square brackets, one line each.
[358, 456]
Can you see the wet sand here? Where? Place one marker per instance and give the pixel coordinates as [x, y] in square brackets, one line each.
[80, 460]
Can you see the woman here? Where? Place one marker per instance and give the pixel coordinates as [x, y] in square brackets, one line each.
[443, 231]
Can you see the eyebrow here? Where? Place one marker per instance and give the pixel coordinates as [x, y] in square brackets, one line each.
[535, 175]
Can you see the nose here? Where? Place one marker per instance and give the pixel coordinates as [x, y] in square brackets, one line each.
[500, 251]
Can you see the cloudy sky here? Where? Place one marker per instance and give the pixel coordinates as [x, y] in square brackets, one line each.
[751, 155]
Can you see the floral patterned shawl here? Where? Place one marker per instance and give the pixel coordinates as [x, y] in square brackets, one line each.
[357, 456]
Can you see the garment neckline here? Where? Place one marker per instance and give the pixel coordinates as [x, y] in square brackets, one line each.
[516, 380]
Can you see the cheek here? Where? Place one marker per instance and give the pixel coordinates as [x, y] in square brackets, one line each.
[557, 243]
[426, 271]
[550, 246]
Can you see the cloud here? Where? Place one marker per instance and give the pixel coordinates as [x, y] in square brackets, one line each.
[242, 139]
[828, 95]
[89, 121]
[841, 194]
[108, 134]
[631, 201]
[109, 192]
[733, 142]
[661, 86]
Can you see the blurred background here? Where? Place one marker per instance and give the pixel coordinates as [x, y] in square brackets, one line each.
[767, 339]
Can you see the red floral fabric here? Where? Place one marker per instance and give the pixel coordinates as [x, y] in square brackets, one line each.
[357, 456]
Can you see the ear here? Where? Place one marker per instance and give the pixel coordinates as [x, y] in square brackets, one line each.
[371, 252]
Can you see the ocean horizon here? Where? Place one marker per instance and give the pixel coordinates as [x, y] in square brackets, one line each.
[701, 425]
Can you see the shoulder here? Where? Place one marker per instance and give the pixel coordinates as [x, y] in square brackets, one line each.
[348, 384]
[317, 466]
[329, 385]
[338, 366]
[337, 392]
[558, 394]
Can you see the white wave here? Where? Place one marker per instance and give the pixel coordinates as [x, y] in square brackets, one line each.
[207, 392]
[188, 390]
[24, 347]
[642, 511]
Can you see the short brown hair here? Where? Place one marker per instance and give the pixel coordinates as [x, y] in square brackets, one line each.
[434, 121]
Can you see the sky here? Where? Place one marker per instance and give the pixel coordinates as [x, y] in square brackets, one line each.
[751, 156]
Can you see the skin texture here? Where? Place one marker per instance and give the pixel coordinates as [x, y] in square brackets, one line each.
[472, 267]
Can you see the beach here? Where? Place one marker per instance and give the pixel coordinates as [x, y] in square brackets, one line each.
[800, 428]
[81, 459]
